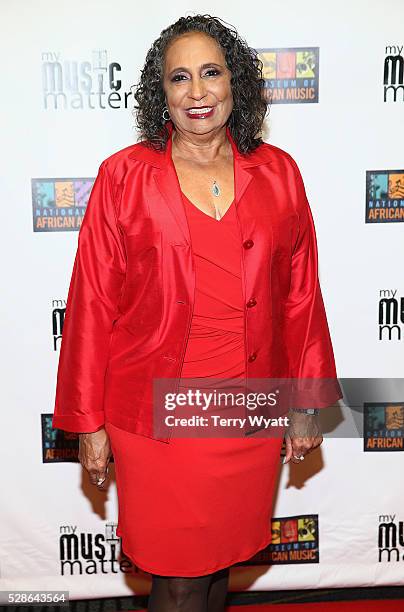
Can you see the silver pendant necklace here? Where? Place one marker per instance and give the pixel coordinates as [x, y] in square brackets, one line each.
[215, 189]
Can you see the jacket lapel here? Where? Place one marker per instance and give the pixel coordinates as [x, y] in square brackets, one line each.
[169, 187]
[167, 181]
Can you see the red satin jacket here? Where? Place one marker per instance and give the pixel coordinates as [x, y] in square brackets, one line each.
[130, 298]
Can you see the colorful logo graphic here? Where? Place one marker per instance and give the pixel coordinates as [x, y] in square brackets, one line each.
[58, 205]
[291, 75]
[295, 539]
[58, 446]
[384, 196]
[383, 427]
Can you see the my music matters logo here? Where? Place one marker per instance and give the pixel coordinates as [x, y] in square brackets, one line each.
[393, 74]
[391, 315]
[291, 74]
[58, 312]
[86, 553]
[82, 83]
[390, 539]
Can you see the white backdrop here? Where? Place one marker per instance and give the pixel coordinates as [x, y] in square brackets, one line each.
[349, 131]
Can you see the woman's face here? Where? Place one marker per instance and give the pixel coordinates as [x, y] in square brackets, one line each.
[196, 77]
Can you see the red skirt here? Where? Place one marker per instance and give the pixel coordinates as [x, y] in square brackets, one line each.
[197, 505]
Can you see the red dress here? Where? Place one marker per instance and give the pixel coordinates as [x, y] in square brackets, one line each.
[197, 505]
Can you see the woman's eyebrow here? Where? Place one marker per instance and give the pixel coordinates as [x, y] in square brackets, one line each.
[201, 67]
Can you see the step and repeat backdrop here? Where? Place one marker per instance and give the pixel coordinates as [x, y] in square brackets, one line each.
[335, 74]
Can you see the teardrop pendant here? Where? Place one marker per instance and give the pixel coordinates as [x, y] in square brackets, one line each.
[215, 189]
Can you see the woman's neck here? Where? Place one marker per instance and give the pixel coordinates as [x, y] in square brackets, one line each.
[206, 148]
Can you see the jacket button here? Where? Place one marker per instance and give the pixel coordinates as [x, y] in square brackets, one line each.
[252, 357]
[247, 244]
[251, 303]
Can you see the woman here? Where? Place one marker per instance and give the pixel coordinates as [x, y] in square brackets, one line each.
[196, 258]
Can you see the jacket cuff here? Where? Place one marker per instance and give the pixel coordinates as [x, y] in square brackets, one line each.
[86, 423]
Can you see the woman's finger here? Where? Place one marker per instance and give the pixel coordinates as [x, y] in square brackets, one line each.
[288, 447]
[303, 448]
[98, 477]
[292, 451]
[300, 447]
[102, 481]
[313, 443]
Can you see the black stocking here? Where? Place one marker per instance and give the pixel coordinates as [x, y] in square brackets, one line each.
[218, 590]
[178, 594]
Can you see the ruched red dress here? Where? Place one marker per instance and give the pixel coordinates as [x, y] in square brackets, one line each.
[197, 505]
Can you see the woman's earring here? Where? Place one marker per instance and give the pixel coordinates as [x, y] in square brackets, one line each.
[163, 114]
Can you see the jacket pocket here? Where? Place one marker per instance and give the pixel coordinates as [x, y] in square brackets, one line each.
[144, 255]
[284, 231]
[281, 264]
[143, 297]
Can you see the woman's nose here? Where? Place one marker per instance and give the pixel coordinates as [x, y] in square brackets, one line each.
[198, 89]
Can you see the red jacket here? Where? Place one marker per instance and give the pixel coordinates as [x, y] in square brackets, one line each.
[130, 298]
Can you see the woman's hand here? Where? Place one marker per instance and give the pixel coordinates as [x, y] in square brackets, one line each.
[302, 435]
[94, 455]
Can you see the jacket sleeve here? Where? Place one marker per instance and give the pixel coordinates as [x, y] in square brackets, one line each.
[307, 336]
[91, 310]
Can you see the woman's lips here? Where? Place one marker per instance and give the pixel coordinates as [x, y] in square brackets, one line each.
[200, 113]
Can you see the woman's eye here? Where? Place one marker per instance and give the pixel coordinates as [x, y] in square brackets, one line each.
[179, 77]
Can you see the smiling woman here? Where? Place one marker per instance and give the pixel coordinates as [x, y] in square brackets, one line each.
[199, 100]
[231, 68]
[206, 86]
[197, 261]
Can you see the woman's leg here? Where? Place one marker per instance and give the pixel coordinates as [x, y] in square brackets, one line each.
[218, 590]
[176, 594]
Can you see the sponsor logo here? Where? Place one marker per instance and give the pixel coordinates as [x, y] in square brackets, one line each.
[91, 83]
[383, 427]
[384, 196]
[393, 74]
[390, 539]
[58, 446]
[87, 553]
[59, 204]
[295, 539]
[391, 314]
[58, 318]
[291, 75]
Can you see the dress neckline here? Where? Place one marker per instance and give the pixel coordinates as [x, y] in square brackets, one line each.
[206, 214]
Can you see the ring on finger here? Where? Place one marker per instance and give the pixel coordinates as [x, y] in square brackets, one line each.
[101, 480]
